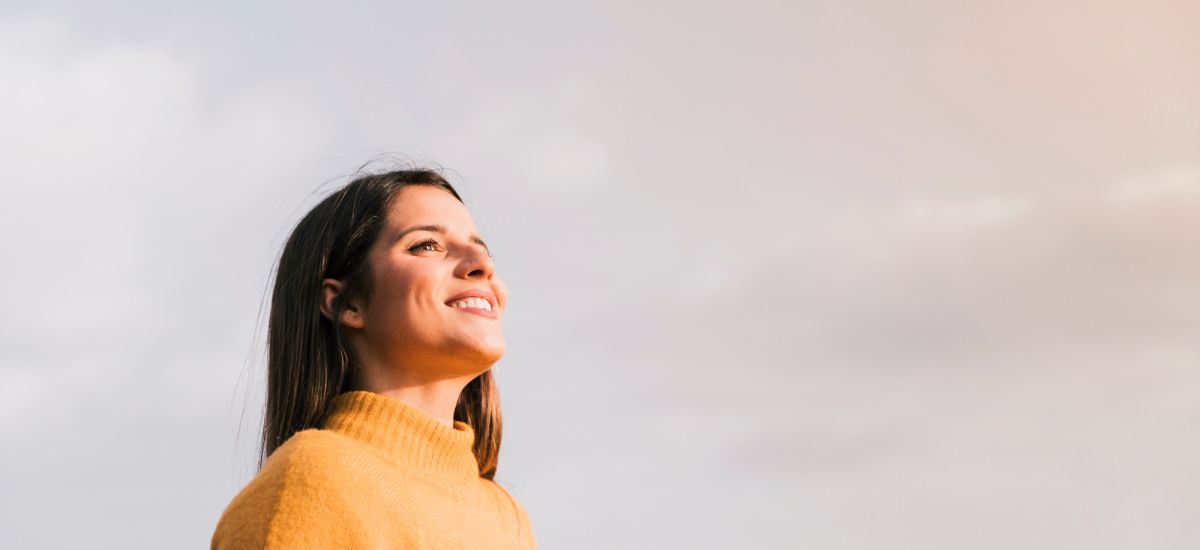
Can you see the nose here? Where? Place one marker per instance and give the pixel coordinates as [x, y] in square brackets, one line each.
[476, 264]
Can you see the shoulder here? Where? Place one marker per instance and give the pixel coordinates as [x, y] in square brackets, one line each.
[517, 513]
[305, 483]
[316, 456]
[309, 458]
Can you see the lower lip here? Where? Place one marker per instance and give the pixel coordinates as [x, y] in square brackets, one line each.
[477, 311]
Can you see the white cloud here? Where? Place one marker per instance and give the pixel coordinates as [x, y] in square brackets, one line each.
[545, 138]
[130, 197]
[869, 296]
[1179, 182]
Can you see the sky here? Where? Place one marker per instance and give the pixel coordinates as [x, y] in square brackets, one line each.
[837, 275]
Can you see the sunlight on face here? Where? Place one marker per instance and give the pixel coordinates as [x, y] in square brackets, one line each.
[427, 257]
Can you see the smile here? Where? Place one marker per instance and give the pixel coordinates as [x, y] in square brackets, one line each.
[478, 306]
[471, 303]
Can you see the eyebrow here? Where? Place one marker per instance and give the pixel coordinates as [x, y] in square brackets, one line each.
[439, 228]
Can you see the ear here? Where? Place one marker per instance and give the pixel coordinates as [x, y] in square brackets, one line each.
[351, 313]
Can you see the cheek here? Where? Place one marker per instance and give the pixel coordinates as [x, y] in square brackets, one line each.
[405, 292]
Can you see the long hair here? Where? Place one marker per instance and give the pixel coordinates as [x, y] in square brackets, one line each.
[308, 363]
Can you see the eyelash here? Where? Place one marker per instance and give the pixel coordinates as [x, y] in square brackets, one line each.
[434, 242]
[414, 247]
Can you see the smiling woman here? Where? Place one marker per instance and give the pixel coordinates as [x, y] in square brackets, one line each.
[383, 422]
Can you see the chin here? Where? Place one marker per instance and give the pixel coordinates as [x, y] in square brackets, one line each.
[491, 344]
[482, 354]
[492, 354]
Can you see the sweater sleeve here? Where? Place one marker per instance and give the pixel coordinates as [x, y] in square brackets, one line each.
[302, 499]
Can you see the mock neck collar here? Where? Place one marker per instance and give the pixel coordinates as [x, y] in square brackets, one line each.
[406, 435]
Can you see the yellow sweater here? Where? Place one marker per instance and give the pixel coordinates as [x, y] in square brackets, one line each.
[381, 474]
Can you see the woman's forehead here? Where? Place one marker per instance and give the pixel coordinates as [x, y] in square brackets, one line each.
[429, 205]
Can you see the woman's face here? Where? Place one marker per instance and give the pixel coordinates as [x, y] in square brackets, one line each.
[428, 256]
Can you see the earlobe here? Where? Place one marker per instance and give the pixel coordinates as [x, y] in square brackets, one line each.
[351, 316]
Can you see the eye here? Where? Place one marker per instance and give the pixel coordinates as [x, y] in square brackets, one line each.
[425, 243]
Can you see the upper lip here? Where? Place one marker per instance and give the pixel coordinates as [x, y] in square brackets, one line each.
[474, 293]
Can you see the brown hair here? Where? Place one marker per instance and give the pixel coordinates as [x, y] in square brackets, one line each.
[308, 363]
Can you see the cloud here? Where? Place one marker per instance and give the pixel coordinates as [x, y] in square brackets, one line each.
[920, 280]
[129, 191]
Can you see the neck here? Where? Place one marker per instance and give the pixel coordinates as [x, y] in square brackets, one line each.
[436, 398]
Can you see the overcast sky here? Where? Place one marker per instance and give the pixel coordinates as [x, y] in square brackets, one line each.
[836, 275]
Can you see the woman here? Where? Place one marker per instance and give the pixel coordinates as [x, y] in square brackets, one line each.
[382, 426]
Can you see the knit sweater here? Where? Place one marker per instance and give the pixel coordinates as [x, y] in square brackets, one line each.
[381, 474]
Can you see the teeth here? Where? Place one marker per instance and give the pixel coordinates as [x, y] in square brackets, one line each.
[479, 303]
